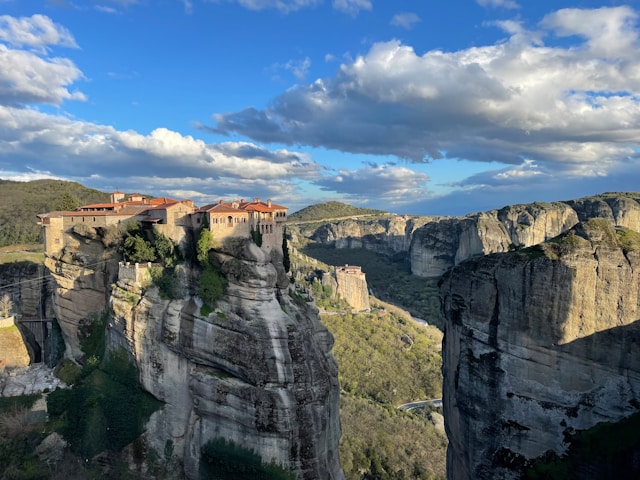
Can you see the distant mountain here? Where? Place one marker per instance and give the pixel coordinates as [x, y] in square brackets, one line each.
[20, 202]
[330, 210]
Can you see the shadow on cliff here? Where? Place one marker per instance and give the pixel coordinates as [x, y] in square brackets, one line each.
[608, 449]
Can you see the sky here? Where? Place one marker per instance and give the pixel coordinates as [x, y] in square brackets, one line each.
[415, 107]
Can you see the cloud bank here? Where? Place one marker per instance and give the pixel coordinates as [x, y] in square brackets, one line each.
[550, 108]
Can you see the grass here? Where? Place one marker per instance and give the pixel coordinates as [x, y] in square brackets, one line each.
[33, 253]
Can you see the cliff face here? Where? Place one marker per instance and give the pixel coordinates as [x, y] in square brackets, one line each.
[539, 344]
[257, 371]
[436, 244]
[83, 274]
[387, 236]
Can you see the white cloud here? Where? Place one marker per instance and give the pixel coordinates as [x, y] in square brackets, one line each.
[36, 31]
[573, 108]
[28, 78]
[609, 31]
[285, 6]
[387, 183]
[299, 68]
[352, 7]
[405, 20]
[498, 3]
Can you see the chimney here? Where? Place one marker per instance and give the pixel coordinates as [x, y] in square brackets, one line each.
[269, 203]
[256, 199]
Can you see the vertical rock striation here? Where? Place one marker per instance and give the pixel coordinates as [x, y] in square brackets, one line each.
[258, 371]
[539, 344]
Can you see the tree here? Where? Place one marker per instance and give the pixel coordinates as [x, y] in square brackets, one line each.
[5, 305]
[204, 244]
[210, 285]
[137, 249]
[256, 235]
[67, 202]
[166, 248]
[286, 261]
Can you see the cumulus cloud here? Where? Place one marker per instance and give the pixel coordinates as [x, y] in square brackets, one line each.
[405, 20]
[29, 78]
[36, 31]
[73, 148]
[387, 183]
[573, 107]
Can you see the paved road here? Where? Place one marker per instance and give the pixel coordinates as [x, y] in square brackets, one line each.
[436, 402]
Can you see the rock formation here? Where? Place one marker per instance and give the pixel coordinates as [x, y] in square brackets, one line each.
[28, 286]
[257, 371]
[434, 245]
[388, 236]
[83, 274]
[349, 283]
[541, 343]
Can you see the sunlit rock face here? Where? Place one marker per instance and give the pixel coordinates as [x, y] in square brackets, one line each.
[83, 273]
[433, 245]
[538, 344]
[257, 371]
[438, 246]
[387, 236]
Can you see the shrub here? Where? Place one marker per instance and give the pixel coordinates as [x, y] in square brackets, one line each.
[204, 244]
[68, 371]
[210, 286]
[167, 281]
[166, 249]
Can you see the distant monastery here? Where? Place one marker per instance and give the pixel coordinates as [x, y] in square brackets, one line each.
[170, 217]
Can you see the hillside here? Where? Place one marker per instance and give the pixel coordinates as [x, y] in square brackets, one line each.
[330, 210]
[20, 202]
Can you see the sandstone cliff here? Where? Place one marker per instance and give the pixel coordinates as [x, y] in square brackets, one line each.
[83, 274]
[541, 343]
[257, 371]
[434, 245]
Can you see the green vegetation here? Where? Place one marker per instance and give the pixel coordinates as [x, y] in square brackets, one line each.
[629, 240]
[610, 449]
[167, 281]
[137, 249]
[9, 404]
[106, 408]
[211, 285]
[286, 260]
[225, 460]
[68, 371]
[330, 210]
[31, 253]
[18, 440]
[388, 444]
[256, 235]
[386, 358]
[20, 202]
[390, 280]
[204, 244]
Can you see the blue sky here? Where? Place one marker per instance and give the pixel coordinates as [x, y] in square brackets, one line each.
[429, 108]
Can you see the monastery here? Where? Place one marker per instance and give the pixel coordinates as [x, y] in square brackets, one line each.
[171, 218]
